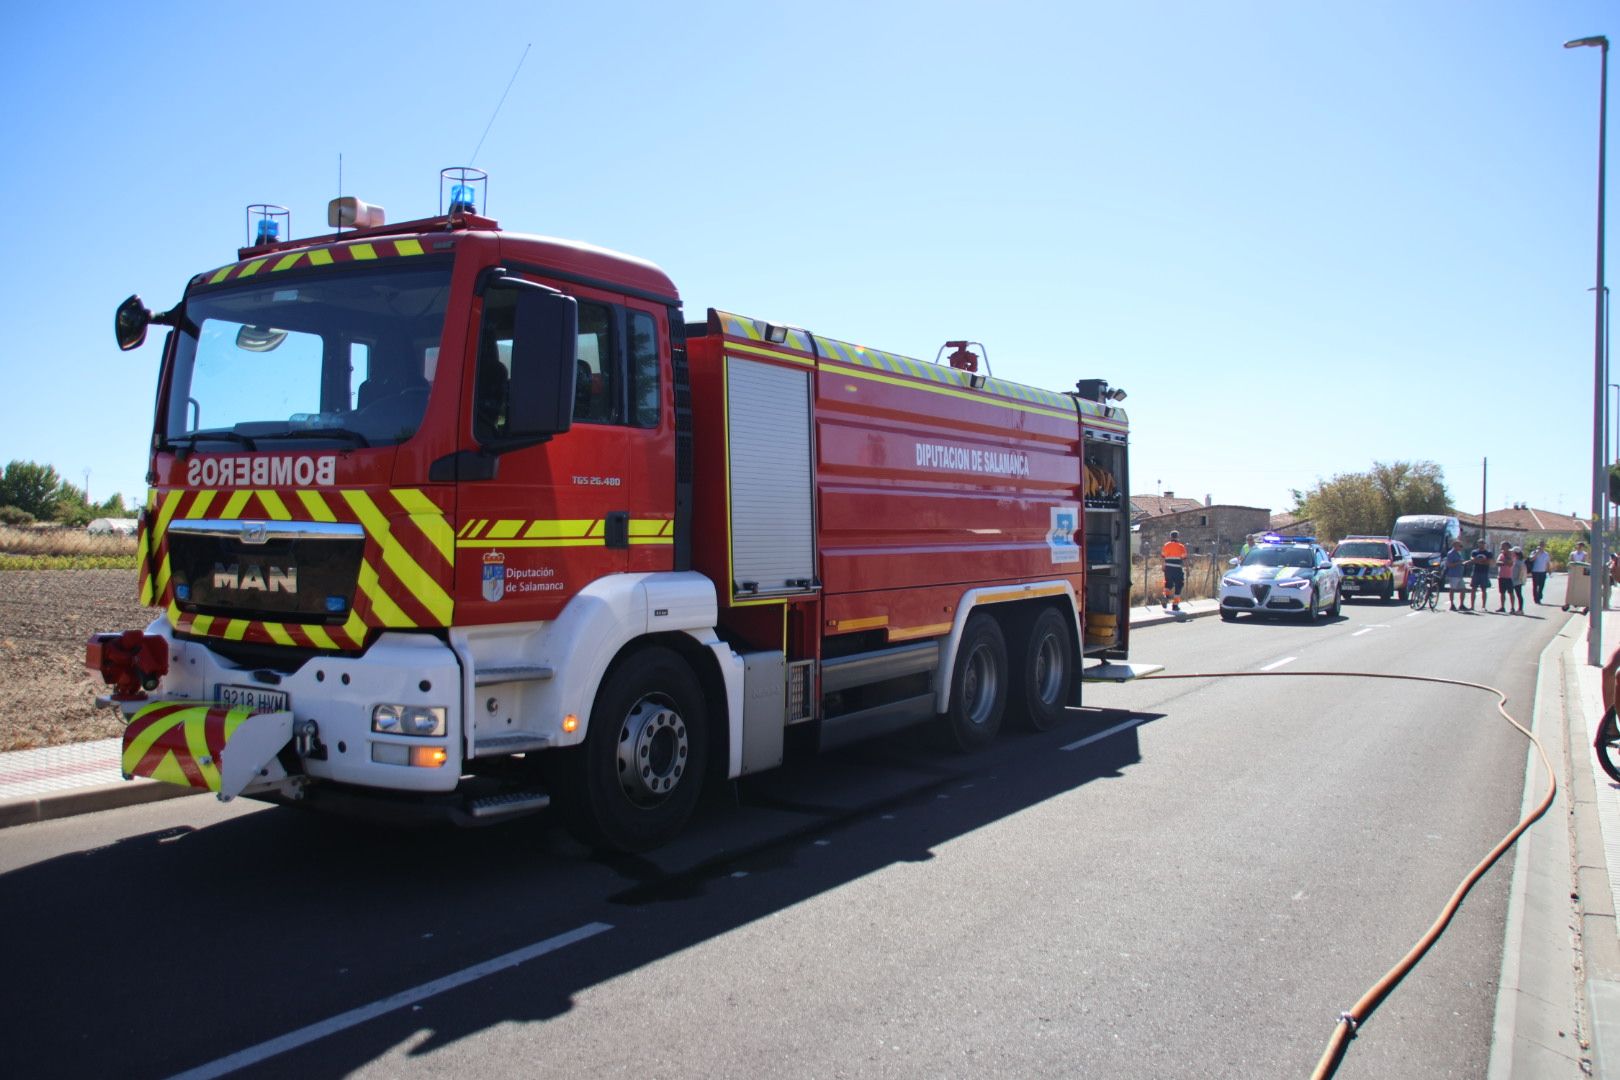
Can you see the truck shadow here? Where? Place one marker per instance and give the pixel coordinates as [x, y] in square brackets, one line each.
[266, 922]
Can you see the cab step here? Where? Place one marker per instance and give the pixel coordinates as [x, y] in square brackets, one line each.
[1110, 672]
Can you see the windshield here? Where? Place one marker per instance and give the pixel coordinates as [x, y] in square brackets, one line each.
[1361, 549]
[343, 355]
[1426, 539]
[1279, 556]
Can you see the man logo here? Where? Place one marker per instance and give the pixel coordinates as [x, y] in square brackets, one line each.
[265, 579]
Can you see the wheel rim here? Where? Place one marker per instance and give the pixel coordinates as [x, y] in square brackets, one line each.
[980, 682]
[1048, 669]
[653, 748]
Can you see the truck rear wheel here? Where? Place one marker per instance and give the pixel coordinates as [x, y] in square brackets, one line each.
[1041, 694]
[978, 686]
[636, 780]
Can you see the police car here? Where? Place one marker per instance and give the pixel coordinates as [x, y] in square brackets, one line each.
[1282, 575]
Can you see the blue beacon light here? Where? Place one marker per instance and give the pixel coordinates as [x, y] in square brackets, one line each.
[269, 231]
[462, 198]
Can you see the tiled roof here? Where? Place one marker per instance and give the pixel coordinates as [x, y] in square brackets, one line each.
[1152, 506]
[1529, 519]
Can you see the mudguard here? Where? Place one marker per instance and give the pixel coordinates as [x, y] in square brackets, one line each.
[205, 746]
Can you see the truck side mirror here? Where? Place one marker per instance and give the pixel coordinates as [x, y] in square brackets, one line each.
[130, 323]
[531, 397]
[545, 341]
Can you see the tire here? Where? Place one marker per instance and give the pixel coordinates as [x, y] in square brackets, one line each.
[1405, 591]
[978, 686]
[1432, 601]
[1310, 612]
[1228, 616]
[635, 781]
[1389, 593]
[1338, 601]
[1607, 745]
[1039, 697]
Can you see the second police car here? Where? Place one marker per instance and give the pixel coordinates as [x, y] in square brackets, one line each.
[1282, 575]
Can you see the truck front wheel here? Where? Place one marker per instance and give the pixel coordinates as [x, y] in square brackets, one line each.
[636, 780]
[1041, 695]
[978, 686]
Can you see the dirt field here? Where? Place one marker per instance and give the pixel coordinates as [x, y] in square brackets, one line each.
[46, 697]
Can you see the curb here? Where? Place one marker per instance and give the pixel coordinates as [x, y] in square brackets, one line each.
[113, 796]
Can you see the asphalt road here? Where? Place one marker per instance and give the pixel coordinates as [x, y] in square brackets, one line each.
[1197, 894]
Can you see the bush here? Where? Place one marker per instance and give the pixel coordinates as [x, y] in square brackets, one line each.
[15, 515]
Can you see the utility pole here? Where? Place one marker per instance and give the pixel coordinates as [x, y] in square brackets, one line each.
[1484, 476]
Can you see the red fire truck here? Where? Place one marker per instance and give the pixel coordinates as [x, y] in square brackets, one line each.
[447, 519]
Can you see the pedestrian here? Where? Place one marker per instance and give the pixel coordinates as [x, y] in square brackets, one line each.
[1454, 562]
[1518, 580]
[1504, 576]
[1579, 554]
[1540, 563]
[1479, 574]
[1175, 577]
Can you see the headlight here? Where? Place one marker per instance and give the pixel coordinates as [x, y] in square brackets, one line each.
[1294, 583]
[1234, 582]
[425, 720]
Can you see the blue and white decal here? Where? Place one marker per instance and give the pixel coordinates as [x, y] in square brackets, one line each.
[1060, 536]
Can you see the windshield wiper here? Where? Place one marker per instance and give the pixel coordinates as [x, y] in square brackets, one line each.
[320, 433]
[191, 439]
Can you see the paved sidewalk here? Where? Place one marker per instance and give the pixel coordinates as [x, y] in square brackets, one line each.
[60, 781]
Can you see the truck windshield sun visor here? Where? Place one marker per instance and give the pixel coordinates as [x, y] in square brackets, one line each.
[346, 355]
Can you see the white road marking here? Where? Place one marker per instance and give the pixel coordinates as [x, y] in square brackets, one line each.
[306, 1035]
[1115, 730]
[1279, 663]
[1411, 614]
[1366, 630]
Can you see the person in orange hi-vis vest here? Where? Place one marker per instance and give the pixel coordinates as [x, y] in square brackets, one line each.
[1175, 576]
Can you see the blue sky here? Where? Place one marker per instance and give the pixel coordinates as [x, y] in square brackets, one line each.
[1303, 237]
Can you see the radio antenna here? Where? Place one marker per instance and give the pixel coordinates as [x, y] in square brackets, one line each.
[499, 103]
[340, 188]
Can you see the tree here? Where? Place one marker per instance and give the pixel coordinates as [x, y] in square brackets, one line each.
[71, 507]
[30, 487]
[1370, 502]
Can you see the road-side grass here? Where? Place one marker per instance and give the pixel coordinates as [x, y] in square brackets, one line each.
[66, 562]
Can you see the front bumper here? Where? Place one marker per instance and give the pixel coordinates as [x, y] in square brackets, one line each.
[319, 718]
[1264, 597]
[1370, 579]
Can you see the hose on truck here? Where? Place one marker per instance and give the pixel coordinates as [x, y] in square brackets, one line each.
[1352, 1019]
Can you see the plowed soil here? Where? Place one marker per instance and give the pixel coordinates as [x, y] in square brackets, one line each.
[46, 696]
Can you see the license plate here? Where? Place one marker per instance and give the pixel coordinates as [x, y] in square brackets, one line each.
[1350, 586]
[256, 698]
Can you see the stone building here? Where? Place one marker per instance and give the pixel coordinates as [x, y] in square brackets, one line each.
[1206, 530]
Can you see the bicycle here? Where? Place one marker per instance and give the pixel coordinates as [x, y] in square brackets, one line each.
[1607, 745]
[1425, 592]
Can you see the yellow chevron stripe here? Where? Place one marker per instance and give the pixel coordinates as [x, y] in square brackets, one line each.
[320, 257]
[278, 633]
[363, 251]
[199, 506]
[504, 529]
[320, 637]
[197, 746]
[287, 261]
[564, 528]
[201, 624]
[427, 517]
[233, 505]
[754, 350]
[137, 748]
[315, 506]
[408, 247]
[253, 267]
[220, 274]
[235, 629]
[421, 584]
[274, 506]
[382, 605]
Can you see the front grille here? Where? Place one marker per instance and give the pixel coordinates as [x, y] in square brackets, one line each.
[1260, 593]
[299, 571]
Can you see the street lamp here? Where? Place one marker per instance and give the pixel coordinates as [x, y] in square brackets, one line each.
[1600, 566]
